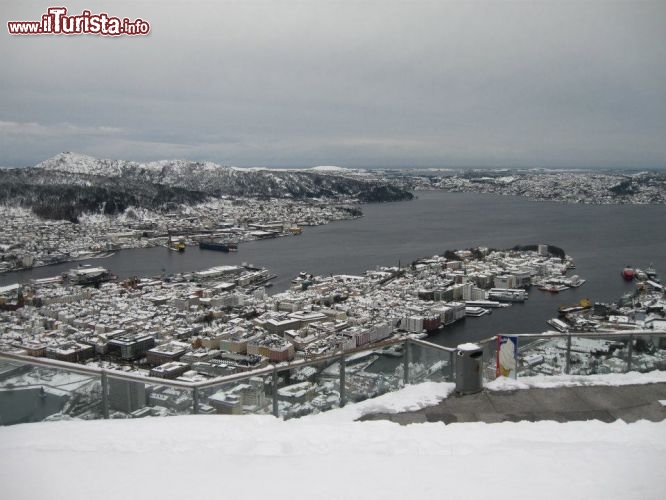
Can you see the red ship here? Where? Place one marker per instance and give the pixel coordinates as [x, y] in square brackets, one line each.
[628, 273]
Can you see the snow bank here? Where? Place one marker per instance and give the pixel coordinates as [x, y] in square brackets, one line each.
[410, 398]
[262, 457]
[416, 397]
[553, 381]
[331, 456]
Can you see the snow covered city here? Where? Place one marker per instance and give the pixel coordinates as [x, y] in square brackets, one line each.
[416, 243]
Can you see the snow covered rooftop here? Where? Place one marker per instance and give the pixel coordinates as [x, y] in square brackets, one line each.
[9, 288]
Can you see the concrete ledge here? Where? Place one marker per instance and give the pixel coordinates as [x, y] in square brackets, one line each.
[564, 404]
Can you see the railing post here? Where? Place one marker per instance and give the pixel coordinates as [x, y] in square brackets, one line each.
[405, 362]
[451, 369]
[276, 410]
[195, 400]
[630, 352]
[105, 395]
[343, 395]
[567, 366]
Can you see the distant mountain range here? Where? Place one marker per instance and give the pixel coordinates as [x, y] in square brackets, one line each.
[69, 184]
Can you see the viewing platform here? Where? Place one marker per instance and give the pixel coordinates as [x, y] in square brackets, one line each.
[628, 403]
[36, 388]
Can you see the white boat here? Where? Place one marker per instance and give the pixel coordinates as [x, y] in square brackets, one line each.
[575, 281]
[507, 294]
[559, 325]
[476, 312]
[553, 288]
[484, 303]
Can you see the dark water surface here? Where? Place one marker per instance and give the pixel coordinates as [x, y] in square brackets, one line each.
[601, 238]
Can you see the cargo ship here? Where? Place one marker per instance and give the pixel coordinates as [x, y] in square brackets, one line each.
[175, 243]
[177, 246]
[219, 246]
[582, 305]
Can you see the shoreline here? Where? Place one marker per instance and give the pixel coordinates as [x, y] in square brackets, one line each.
[155, 244]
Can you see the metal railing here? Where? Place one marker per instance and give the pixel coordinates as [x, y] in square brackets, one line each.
[334, 379]
[277, 374]
[568, 353]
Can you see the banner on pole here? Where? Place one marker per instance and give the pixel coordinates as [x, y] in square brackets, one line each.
[507, 356]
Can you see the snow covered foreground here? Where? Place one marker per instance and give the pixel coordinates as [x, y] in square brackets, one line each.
[262, 457]
[331, 456]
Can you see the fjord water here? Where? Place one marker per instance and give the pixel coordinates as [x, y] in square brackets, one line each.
[602, 239]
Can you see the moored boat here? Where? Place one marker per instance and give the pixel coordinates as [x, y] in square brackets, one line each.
[651, 272]
[628, 273]
[210, 244]
[552, 288]
[559, 325]
[476, 312]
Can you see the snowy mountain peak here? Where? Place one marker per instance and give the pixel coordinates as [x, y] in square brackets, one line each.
[207, 177]
[77, 163]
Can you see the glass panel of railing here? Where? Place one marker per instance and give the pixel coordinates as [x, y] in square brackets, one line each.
[542, 356]
[130, 399]
[598, 354]
[309, 389]
[489, 347]
[429, 364]
[371, 373]
[251, 395]
[31, 393]
[648, 353]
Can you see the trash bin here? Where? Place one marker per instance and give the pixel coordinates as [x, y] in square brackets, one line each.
[469, 369]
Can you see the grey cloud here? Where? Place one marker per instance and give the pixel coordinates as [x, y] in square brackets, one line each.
[358, 84]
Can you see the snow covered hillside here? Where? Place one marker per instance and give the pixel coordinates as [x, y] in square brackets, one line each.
[217, 179]
[69, 185]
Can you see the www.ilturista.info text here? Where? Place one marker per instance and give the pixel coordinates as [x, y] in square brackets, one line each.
[57, 22]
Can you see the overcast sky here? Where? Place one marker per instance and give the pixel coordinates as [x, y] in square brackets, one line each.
[318, 82]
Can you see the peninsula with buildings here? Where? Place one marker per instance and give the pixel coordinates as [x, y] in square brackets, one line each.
[567, 186]
[207, 325]
[32, 241]
[74, 207]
